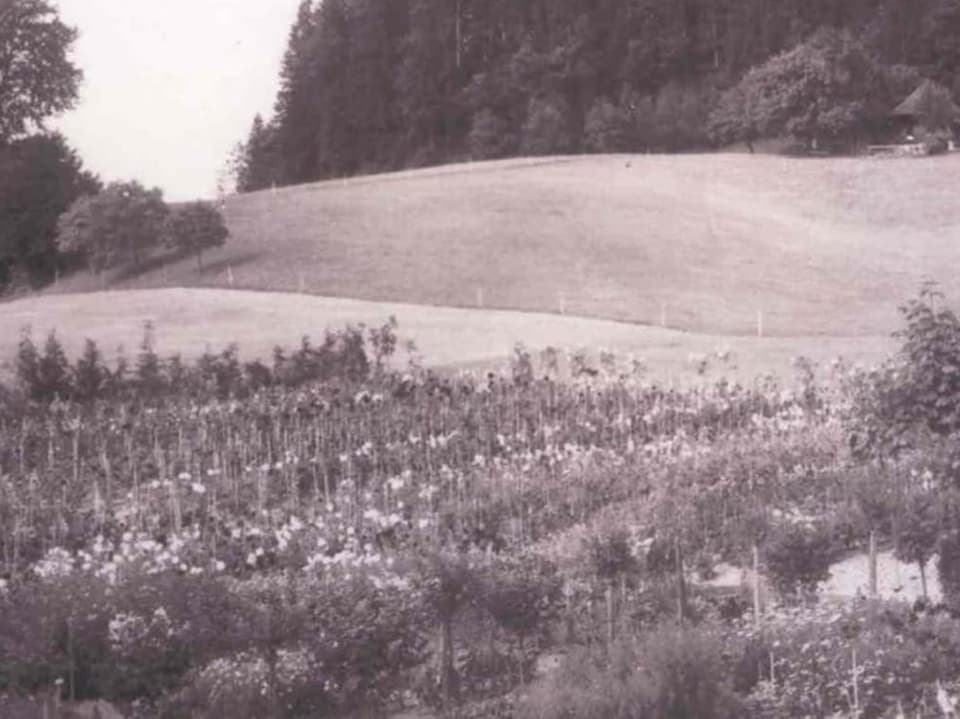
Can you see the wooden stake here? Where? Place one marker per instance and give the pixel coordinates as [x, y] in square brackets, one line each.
[873, 564]
[856, 687]
[756, 585]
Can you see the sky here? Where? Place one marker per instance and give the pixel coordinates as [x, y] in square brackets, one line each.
[170, 86]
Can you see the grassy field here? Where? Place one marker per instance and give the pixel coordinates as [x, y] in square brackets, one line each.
[193, 320]
[819, 246]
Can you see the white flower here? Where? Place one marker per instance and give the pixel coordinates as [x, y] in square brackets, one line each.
[184, 476]
[198, 488]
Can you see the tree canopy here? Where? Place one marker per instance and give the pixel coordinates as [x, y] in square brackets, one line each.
[40, 176]
[374, 85]
[194, 228]
[37, 77]
[119, 225]
[826, 88]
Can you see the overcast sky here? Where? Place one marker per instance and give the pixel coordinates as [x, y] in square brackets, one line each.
[171, 85]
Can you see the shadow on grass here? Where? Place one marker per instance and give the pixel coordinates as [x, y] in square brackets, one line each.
[233, 262]
[149, 265]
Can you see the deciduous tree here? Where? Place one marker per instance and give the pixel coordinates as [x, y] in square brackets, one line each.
[195, 227]
[121, 224]
[37, 77]
[40, 176]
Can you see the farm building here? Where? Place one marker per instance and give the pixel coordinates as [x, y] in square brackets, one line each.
[928, 108]
[927, 121]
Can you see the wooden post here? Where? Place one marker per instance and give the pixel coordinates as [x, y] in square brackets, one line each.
[760, 323]
[756, 585]
[856, 687]
[681, 585]
[663, 314]
[480, 297]
[873, 565]
[611, 616]
[563, 304]
[229, 275]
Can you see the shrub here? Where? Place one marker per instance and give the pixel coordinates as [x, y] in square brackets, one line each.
[670, 674]
[523, 595]
[798, 558]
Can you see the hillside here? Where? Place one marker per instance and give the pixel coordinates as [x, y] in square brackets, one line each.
[820, 246]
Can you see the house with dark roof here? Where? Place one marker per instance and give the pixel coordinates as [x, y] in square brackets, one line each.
[929, 108]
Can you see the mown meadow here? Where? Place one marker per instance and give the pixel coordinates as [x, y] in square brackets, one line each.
[328, 534]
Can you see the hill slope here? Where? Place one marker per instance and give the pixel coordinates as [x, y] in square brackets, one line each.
[820, 246]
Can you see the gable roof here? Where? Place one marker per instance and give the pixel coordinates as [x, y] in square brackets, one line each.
[924, 102]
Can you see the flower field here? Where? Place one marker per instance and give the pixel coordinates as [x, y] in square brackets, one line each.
[384, 542]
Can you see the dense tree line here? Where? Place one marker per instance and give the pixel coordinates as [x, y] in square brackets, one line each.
[40, 175]
[372, 85]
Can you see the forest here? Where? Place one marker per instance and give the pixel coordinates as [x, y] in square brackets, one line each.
[368, 85]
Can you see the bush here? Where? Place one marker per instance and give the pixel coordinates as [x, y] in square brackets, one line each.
[669, 674]
[798, 558]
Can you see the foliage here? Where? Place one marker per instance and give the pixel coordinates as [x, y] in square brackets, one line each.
[547, 128]
[669, 674]
[919, 524]
[322, 548]
[257, 159]
[826, 88]
[432, 82]
[37, 78]
[490, 136]
[606, 128]
[40, 176]
[121, 224]
[798, 557]
[860, 659]
[195, 227]
[918, 392]
[344, 355]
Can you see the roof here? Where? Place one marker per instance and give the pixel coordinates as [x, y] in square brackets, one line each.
[928, 99]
